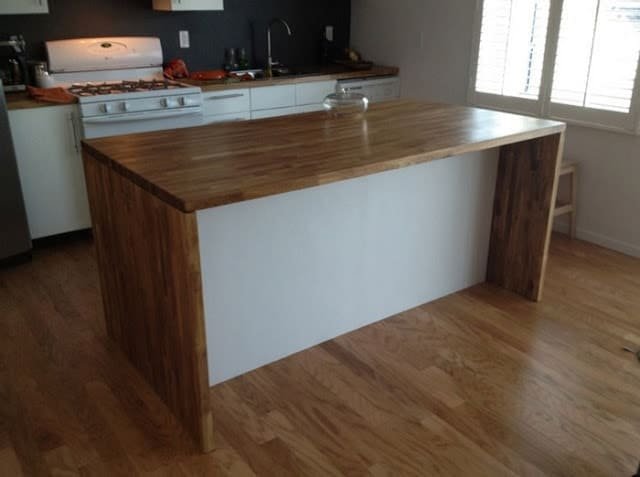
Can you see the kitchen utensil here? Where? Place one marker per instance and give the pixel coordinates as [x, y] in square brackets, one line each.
[243, 60]
[15, 71]
[38, 72]
[231, 61]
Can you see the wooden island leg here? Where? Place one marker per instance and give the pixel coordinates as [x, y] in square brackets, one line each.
[149, 263]
[523, 214]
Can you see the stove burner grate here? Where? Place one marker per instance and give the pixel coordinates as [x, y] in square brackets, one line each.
[140, 86]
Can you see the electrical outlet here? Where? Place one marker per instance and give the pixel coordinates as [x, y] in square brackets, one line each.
[184, 39]
[328, 32]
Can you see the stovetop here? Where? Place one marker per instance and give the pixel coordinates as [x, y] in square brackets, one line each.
[120, 87]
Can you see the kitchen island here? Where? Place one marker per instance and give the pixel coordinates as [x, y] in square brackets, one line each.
[225, 247]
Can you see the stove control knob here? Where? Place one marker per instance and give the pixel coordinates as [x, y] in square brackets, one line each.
[106, 108]
[125, 106]
[185, 101]
[169, 103]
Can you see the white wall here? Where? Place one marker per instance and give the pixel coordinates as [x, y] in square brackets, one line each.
[430, 40]
[287, 272]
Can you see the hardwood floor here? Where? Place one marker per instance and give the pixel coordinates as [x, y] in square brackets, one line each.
[479, 383]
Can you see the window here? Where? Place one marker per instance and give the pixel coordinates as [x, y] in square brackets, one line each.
[575, 60]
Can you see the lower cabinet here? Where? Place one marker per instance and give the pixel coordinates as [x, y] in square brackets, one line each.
[274, 101]
[314, 93]
[47, 144]
[222, 106]
[274, 113]
[22, 7]
[225, 118]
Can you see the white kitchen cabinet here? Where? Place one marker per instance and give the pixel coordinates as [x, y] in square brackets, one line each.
[47, 144]
[188, 5]
[226, 102]
[224, 106]
[314, 93]
[311, 108]
[274, 113]
[376, 89]
[20, 7]
[272, 97]
[226, 118]
[273, 101]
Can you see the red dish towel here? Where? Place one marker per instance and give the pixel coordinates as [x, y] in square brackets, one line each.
[51, 95]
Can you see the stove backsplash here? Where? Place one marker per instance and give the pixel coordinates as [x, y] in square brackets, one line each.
[242, 24]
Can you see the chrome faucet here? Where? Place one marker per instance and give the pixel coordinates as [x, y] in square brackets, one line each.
[270, 62]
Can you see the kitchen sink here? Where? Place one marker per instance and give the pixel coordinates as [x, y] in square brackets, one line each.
[279, 72]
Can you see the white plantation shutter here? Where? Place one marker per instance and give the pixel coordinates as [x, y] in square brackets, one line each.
[512, 46]
[597, 56]
[575, 60]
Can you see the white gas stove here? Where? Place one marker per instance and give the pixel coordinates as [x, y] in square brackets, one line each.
[120, 86]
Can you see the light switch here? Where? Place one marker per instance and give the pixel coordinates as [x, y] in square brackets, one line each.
[184, 39]
[328, 32]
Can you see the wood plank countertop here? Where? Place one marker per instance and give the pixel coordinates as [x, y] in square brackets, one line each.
[22, 100]
[315, 74]
[203, 167]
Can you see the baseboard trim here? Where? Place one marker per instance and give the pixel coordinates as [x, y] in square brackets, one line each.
[602, 240]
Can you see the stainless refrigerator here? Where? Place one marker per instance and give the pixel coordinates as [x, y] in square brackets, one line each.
[15, 238]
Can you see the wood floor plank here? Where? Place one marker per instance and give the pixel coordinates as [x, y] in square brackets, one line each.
[478, 383]
[9, 464]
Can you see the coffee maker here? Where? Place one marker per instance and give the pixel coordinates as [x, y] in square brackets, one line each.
[13, 63]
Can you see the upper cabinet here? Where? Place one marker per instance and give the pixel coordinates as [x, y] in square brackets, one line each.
[21, 7]
[187, 5]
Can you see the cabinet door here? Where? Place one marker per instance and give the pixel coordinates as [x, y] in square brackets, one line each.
[188, 5]
[16, 7]
[314, 92]
[47, 148]
[270, 97]
[226, 102]
[388, 90]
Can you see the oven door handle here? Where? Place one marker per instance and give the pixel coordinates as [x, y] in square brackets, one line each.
[145, 116]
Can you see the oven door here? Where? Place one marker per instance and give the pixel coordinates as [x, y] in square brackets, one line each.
[131, 123]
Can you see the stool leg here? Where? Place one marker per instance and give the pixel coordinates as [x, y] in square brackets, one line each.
[574, 203]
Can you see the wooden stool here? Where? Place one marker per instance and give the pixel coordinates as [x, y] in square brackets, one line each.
[562, 208]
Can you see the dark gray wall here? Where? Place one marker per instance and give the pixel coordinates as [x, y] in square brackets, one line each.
[242, 24]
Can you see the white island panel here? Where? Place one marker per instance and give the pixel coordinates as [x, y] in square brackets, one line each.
[287, 272]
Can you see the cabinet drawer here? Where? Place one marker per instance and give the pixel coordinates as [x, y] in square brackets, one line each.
[51, 172]
[273, 113]
[311, 108]
[225, 118]
[271, 97]
[21, 7]
[388, 91]
[188, 5]
[314, 93]
[226, 102]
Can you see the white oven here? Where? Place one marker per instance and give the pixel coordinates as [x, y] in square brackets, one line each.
[120, 124]
[120, 86]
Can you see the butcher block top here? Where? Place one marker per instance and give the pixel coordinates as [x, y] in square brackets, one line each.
[203, 167]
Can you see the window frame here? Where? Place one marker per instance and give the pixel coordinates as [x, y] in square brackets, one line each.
[543, 107]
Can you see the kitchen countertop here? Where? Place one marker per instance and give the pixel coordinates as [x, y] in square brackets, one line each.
[199, 168]
[22, 100]
[318, 74]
